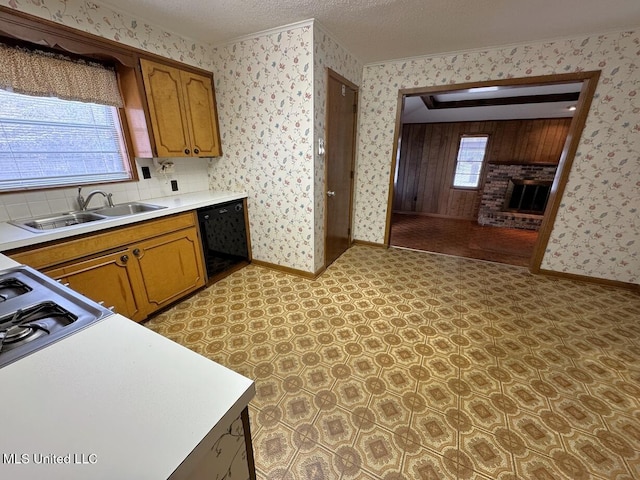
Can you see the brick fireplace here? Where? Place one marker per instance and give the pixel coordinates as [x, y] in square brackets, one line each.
[501, 180]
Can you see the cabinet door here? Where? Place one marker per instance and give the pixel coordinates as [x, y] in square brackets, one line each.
[163, 86]
[201, 114]
[111, 279]
[170, 265]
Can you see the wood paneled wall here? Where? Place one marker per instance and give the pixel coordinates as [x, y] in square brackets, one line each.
[428, 154]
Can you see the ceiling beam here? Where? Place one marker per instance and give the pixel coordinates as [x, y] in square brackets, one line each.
[432, 104]
[428, 101]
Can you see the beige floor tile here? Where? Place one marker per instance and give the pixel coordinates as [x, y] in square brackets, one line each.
[434, 430]
[395, 364]
[380, 454]
[486, 453]
[336, 428]
[273, 448]
[317, 463]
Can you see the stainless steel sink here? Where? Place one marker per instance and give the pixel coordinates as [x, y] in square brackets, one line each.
[53, 222]
[127, 209]
[68, 219]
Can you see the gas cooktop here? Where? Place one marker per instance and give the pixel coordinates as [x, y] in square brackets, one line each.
[36, 311]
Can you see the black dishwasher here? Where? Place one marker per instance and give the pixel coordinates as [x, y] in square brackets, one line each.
[224, 236]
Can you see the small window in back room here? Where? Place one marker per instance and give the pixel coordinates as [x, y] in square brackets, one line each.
[61, 132]
[471, 153]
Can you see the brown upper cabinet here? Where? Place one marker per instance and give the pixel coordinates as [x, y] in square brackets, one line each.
[182, 111]
[170, 107]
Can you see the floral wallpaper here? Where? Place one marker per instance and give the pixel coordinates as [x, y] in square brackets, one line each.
[270, 91]
[597, 229]
[264, 90]
[99, 20]
[327, 54]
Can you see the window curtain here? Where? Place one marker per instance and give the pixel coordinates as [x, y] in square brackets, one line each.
[47, 74]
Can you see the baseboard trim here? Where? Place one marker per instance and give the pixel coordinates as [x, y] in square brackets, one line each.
[435, 215]
[634, 287]
[369, 244]
[289, 270]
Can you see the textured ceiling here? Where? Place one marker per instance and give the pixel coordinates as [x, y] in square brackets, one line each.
[377, 30]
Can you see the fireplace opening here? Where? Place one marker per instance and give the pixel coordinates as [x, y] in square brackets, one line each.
[527, 196]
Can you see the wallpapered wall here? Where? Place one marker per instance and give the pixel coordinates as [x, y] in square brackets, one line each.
[597, 230]
[191, 174]
[264, 89]
[270, 90]
[271, 93]
[598, 226]
[327, 54]
[104, 21]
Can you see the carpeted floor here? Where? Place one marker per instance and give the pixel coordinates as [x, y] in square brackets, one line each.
[398, 364]
[463, 238]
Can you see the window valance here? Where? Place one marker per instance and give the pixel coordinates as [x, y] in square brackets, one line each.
[48, 74]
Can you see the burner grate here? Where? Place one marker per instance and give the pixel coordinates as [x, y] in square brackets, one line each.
[36, 311]
[11, 288]
[28, 324]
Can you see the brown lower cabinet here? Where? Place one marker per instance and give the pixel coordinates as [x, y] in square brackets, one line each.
[105, 279]
[160, 263]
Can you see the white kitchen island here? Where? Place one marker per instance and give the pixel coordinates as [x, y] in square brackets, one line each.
[118, 401]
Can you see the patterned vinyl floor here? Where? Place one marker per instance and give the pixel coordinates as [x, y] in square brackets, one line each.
[397, 364]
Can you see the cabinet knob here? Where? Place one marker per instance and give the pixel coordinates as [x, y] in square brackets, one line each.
[124, 258]
[136, 252]
[196, 151]
[187, 151]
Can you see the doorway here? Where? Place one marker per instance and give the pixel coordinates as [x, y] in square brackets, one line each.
[444, 195]
[342, 106]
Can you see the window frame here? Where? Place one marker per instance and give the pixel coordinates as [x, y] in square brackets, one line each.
[22, 29]
[27, 29]
[482, 162]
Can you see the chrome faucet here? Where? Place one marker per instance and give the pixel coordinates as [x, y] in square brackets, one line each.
[82, 203]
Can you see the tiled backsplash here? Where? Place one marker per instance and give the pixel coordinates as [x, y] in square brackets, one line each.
[190, 173]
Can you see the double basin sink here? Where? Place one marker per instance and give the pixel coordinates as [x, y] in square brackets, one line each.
[68, 219]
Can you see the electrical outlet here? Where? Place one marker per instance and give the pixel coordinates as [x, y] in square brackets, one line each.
[174, 185]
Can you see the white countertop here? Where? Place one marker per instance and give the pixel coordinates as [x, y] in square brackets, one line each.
[124, 400]
[6, 262]
[15, 237]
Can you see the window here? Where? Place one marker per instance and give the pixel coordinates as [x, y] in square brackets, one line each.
[469, 163]
[59, 120]
[47, 142]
